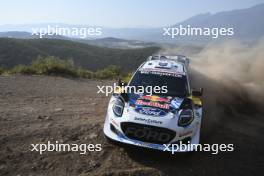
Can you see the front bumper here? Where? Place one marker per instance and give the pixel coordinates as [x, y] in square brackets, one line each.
[117, 135]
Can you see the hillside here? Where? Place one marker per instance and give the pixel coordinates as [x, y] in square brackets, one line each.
[111, 42]
[23, 51]
[16, 34]
[28, 35]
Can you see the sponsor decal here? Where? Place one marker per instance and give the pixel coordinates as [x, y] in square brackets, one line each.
[163, 103]
[155, 98]
[147, 134]
[161, 72]
[154, 101]
[152, 104]
[148, 121]
[176, 102]
[150, 111]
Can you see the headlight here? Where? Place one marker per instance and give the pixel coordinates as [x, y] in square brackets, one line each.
[118, 107]
[185, 117]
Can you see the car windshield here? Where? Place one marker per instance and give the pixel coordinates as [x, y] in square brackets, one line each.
[176, 86]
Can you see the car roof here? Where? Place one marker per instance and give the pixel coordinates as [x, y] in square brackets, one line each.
[164, 66]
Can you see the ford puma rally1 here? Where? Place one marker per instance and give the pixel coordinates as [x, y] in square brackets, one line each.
[156, 120]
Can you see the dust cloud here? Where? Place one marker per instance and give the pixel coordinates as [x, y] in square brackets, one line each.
[232, 75]
[234, 63]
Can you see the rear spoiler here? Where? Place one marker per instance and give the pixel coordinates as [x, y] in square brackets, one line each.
[179, 58]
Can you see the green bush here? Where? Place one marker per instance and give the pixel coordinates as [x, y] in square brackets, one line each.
[126, 77]
[55, 66]
[22, 69]
[110, 72]
[2, 70]
[84, 73]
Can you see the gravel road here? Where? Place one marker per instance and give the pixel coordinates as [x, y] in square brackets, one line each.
[37, 109]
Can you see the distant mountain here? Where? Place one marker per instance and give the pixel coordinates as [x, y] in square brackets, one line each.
[247, 23]
[111, 42]
[23, 51]
[16, 34]
[110, 39]
[27, 35]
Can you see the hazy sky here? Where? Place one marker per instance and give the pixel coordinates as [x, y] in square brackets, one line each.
[112, 13]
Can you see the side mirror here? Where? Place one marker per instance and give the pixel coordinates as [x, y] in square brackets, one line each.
[124, 96]
[119, 90]
[120, 83]
[197, 92]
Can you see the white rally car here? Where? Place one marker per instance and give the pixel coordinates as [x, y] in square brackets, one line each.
[155, 120]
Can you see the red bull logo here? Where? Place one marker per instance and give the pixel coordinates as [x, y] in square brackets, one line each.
[155, 98]
[154, 101]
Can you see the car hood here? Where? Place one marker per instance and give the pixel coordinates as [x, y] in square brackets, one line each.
[154, 105]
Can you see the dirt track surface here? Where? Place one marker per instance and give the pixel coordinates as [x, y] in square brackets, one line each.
[37, 109]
